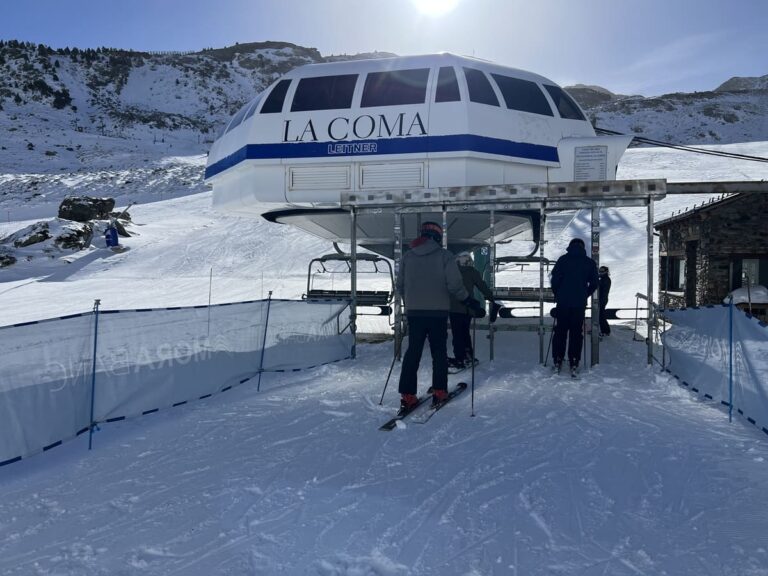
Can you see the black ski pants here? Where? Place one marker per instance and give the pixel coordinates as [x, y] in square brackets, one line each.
[421, 329]
[462, 341]
[569, 326]
[605, 328]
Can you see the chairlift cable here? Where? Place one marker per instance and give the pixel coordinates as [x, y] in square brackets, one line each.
[661, 144]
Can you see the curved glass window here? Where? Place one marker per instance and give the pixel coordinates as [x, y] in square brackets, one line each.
[447, 85]
[480, 89]
[395, 88]
[564, 103]
[237, 118]
[244, 112]
[523, 95]
[254, 105]
[274, 102]
[324, 93]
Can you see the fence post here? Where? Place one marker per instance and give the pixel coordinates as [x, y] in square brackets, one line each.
[264, 341]
[730, 358]
[210, 290]
[91, 426]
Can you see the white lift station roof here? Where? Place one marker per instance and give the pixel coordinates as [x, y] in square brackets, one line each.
[325, 132]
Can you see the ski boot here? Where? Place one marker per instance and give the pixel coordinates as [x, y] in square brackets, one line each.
[408, 402]
[438, 397]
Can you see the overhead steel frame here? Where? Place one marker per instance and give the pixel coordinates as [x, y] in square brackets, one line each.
[491, 199]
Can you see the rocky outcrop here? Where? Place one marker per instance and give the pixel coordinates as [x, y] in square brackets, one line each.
[63, 234]
[6, 259]
[32, 234]
[74, 236]
[85, 208]
[741, 83]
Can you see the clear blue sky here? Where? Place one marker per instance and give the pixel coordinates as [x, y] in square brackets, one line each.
[644, 47]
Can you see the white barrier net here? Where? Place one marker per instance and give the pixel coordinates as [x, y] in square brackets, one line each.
[290, 345]
[45, 383]
[708, 354]
[150, 359]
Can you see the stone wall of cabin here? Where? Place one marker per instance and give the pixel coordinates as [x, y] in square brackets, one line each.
[735, 229]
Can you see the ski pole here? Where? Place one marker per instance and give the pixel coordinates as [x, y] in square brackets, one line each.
[394, 357]
[472, 359]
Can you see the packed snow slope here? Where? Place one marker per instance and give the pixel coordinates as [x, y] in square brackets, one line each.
[620, 472]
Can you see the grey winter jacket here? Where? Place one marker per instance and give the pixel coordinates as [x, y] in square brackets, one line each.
[429, 276]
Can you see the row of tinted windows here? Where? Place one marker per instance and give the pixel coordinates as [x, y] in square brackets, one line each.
[396, 88]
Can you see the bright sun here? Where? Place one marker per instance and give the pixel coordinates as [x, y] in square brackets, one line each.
[435, 7]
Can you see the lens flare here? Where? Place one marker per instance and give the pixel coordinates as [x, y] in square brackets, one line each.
[435, 7]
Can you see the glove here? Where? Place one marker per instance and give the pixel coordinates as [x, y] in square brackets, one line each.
[475, 309]
[495, 307]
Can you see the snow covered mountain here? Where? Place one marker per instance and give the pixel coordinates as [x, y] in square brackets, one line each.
[736, 111]
[55, 103]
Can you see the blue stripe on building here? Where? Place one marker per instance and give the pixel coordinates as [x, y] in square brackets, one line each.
[387, 146]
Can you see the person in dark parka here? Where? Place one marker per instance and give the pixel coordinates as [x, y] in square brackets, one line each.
[428, 278]
[573, 280]
[461, 315]
[604, 281]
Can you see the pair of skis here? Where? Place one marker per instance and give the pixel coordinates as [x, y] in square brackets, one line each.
[404, 413]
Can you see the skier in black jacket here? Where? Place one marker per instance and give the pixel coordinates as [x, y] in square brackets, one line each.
[604, 280]
[574, 279]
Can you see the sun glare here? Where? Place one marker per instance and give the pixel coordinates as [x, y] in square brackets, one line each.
[435, 7]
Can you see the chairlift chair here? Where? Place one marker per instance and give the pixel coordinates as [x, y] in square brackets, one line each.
[322, 268]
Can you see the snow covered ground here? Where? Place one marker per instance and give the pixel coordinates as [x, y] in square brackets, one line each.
[620, 472]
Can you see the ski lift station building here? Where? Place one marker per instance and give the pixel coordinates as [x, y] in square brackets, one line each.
[325, 132]
[337, 149]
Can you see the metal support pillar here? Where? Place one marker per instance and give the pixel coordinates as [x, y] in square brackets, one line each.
[651, 311]
[492, 276]
[398, 253]
[445, 226]
[353, 263]
[542, 242]
[665, 304]
[595, 340]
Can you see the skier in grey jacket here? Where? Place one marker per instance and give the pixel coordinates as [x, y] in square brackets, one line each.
[429, 276]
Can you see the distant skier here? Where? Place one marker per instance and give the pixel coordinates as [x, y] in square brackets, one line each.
[110, 234]
[428, 278]
[604, 283]
[461, 315]
[574, 279]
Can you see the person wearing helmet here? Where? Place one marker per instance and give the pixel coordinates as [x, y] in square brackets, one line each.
[428, 278]
[604, 287]
[461, 315]
[573, 280]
